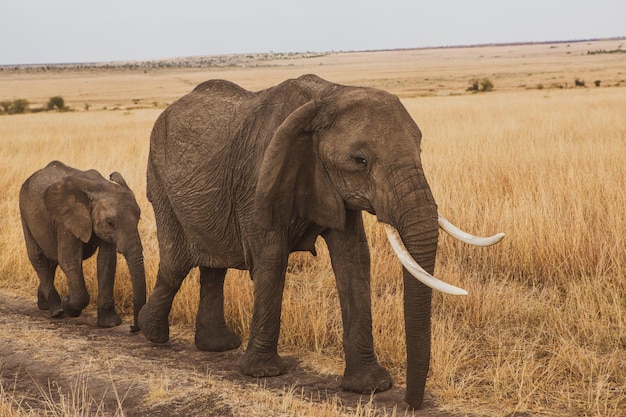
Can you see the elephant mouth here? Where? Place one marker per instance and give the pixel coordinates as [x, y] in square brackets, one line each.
[356, 201]
[420, 273]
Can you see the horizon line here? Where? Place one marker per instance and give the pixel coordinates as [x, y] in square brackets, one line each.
[519, 43]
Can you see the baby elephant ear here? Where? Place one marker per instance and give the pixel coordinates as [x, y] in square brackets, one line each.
[292, 181]
[117, 177]
[69, 204]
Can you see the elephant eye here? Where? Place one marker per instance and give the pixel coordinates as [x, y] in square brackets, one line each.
[360, 160]
[111, 223]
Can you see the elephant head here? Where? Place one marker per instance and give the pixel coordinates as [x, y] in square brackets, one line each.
[359, 149]
[93, 209]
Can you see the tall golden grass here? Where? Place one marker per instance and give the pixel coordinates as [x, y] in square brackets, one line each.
[543, 329]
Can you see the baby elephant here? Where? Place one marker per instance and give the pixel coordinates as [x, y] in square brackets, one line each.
[67, 214]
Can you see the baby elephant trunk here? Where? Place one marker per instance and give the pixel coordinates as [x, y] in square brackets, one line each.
[134, 259]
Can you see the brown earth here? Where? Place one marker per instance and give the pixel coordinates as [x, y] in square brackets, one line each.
[46, 361]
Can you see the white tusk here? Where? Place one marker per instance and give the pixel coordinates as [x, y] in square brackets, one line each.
[454, 231]
[413, 267]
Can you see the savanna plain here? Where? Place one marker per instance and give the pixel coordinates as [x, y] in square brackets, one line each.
[541, 333]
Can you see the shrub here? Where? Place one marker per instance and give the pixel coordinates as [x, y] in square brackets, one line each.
[474, 85]
[6, 105]
[597, 83]
[486, 84]
[18, 106]
[56, 101]
[483, 85]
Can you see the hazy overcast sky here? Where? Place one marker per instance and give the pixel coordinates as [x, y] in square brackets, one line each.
[68, 31]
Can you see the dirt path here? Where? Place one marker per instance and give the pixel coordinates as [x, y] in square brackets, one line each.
[57, 363]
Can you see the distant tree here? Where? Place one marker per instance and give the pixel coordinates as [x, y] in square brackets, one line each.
[579, 83]
[597, 83]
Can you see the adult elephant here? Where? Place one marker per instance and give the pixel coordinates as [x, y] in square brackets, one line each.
[66, 215]
[240, 179]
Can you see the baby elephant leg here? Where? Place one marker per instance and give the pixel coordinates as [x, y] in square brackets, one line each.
[107, 262]
[47, 296]
[70, 261]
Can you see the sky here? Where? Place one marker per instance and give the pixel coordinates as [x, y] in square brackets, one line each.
[80, 31]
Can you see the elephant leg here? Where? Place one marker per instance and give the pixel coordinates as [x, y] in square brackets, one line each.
[47, 296]
[107, 262]
[154, 315]
[212, 334]
[70, 261]
[267, 268]
[350, 259]
[174, 264]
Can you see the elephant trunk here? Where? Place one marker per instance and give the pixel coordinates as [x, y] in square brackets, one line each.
[134, 259]
[420, 239]
[413, 213]
[417, 305]
[408, 210]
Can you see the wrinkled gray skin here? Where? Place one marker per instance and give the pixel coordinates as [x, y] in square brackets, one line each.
[66, 215]
[240, 179]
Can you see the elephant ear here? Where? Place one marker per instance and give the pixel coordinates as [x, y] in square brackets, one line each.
[292, 180]
[69, 204]
[117, 177]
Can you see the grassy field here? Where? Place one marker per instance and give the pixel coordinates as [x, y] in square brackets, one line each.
[543, 329]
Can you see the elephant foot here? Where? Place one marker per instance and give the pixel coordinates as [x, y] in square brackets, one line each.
[42, 301]
[108, 317]
[262, 365]
[51, 303]
[217, 340]
[155, 326]
[55, 311]
[366, 379]
[69, 310]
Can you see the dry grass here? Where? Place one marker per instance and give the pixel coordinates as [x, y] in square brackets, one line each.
[72, 401]
[544, 327]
